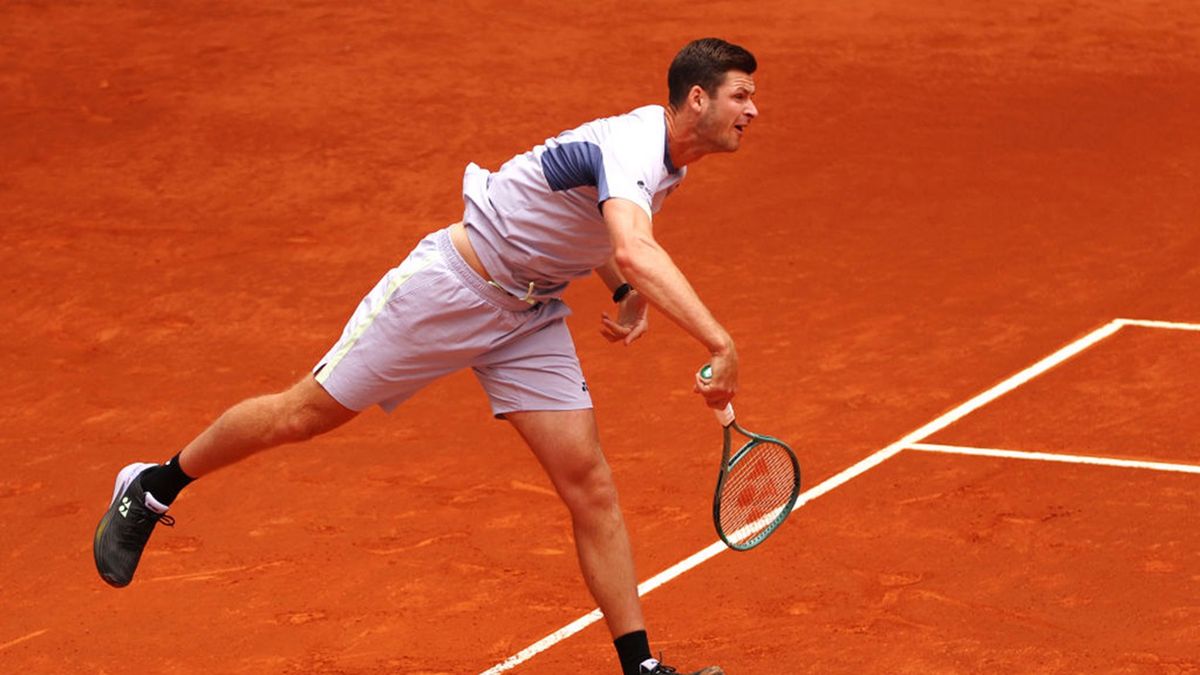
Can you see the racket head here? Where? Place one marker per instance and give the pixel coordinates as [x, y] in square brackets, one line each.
[756, 491]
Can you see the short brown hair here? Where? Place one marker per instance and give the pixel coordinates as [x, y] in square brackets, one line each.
[704, 62]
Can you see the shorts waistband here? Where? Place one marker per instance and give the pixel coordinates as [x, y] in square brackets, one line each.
[491, 293]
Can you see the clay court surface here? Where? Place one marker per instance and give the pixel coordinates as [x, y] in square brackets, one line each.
[936, 196]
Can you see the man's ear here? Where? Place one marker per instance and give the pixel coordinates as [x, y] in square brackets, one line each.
[696, 98]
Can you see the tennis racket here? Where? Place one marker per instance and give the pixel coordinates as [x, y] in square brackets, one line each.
[757, 487]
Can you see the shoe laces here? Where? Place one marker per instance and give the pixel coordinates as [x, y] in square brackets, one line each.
[162, 518]
[662, 668]
[143, 521]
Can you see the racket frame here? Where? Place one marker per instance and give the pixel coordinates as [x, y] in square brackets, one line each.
[730, 459]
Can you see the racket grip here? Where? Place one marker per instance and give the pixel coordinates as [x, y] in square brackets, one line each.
[725, 415]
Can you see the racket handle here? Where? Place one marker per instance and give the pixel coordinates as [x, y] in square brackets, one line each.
[725, 415]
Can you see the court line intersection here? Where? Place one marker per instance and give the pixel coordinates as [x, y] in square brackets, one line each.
[912, 442]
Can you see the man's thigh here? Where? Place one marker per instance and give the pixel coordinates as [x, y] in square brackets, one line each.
[417, 324]
[536, 371]
[429, 317]
[567, 444]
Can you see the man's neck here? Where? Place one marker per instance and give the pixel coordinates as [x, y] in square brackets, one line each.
[683, 143]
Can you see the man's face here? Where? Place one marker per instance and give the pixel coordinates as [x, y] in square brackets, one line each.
[725, 116]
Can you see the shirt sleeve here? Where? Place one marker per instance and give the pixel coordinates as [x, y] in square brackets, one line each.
[629, 167]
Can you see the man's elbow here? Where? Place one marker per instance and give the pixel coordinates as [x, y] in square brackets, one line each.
[626, 259]
[635, 259]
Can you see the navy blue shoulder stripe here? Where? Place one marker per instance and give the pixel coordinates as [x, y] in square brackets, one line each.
[575, 164]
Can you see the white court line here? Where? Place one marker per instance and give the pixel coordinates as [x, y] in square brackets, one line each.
[1159, 324]
[24, 638]
[861, 467]
[1055, 457]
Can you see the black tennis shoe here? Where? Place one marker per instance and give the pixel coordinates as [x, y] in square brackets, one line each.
[653, 667]
[126, 526]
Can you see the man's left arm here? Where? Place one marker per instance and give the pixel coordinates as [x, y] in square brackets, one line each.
[632, 319]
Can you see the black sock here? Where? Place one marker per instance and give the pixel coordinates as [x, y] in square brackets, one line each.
[632, 649]
[165, 481]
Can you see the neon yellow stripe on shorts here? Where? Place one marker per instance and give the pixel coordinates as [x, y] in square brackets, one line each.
[403, 274]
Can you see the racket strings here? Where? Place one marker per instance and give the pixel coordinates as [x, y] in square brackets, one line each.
[755, 492]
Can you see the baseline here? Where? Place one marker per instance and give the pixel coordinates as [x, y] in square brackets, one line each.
[871, 461]
[1055, 457]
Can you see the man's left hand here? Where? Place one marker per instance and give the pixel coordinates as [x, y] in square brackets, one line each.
[631, 322]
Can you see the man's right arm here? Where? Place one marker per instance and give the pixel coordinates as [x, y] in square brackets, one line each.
[651, 271]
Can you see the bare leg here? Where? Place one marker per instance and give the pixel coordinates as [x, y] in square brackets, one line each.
[303, 411]
[568, 446]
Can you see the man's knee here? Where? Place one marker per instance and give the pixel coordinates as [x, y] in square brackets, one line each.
[590, 489]
[299, 424]
[306, 410]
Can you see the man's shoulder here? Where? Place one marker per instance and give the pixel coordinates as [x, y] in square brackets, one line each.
[648, 113]
[645, 121]
[639, 122]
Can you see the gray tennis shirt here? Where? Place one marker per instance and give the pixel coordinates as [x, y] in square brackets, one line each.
[538, 220]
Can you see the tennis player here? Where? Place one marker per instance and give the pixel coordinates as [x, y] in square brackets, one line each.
[485, 294]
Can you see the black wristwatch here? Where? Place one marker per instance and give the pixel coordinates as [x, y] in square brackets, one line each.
[622, 291]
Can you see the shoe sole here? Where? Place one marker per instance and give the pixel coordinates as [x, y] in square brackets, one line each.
[124, 478]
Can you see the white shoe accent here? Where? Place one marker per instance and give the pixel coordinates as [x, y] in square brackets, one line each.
[126, 476]
[648, 665]
[155, 505]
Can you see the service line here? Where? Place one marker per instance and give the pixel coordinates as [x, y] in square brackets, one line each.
[1056, 457]
[859, 468]
[1169, 325]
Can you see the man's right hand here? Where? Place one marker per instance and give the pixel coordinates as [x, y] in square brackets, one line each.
[719, 390]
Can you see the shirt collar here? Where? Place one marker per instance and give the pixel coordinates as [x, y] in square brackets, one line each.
[667, 155]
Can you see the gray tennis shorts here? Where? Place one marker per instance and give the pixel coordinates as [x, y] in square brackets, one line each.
[434, 315]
